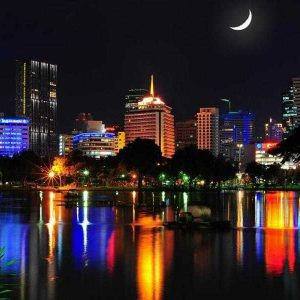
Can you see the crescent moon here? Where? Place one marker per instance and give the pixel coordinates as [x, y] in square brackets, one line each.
[245, 24]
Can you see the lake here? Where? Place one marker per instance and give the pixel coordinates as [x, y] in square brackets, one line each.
[91, 251]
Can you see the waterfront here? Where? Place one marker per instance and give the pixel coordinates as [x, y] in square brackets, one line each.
[95, 252]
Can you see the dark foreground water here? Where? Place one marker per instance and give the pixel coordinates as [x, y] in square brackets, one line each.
[94, 252]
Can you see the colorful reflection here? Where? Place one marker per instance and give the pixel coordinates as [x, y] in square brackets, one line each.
[277, 213]
[281, 214]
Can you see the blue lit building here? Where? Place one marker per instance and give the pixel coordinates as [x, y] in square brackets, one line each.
[14, 136]
[237, 131]
[94, 144]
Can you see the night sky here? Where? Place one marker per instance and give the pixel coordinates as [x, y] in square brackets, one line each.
[103, 48]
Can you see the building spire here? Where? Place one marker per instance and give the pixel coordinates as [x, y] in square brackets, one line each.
[152, 86]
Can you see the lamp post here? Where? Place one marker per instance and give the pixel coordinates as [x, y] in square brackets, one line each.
[229, 103]
[240, 146]
[86, 173]
[51, 176]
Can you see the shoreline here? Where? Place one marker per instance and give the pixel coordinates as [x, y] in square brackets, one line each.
[145, 189]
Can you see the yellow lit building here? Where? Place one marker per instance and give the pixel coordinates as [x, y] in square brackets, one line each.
[119, 141]
[152, 120]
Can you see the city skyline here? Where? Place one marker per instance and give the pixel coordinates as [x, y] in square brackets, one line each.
[196, 58]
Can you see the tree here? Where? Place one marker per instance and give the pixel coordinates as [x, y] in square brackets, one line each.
[223, 170]
[142, 156]
[274, 174]
[255, 171]
[288, 149]
[193, 162]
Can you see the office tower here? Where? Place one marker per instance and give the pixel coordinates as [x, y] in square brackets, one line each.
[94, 144]
[151, 119]
[65, 144]
[185, 133]
[36, 99]
[208, 129]
[14, 136]
[133, 97]
[289, 111]
[295, 86]
[80, 123]
[273, 131]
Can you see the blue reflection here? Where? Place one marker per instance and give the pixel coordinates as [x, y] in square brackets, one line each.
[15, 245]
[259, 213]
[90, 242]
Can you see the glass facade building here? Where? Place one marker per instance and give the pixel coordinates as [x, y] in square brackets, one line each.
[14, 136]
[236, 132]
[289, 112]
[36, 99]
[133, 97]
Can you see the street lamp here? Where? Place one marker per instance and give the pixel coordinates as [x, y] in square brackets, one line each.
[239, 175]
[85, 174]
[51, 174]
[229, 103]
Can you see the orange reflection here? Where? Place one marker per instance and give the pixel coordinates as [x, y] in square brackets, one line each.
[51, 225]
[279, 244]
[150, 262]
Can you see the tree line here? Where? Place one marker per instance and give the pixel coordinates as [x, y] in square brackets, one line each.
[140, 162]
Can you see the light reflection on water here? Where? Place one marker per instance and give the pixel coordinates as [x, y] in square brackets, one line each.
[60, 249]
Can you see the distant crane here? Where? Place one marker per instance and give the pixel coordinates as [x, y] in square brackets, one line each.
[229, 103]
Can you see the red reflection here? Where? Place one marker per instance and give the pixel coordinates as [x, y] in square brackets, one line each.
[111, 253]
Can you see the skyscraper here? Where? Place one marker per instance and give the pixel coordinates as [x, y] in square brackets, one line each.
[290, 110]
[36, 99]
[208, 129]
[295, 85]
[151, 119]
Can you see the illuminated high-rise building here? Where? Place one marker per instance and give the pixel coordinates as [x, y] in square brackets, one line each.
[36, 99]
[208, 129]
[151, 119]
[14, 136]
[133, 97]
[273, 131]
[290, 110]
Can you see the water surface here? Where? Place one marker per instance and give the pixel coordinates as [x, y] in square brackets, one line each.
[89, 251]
